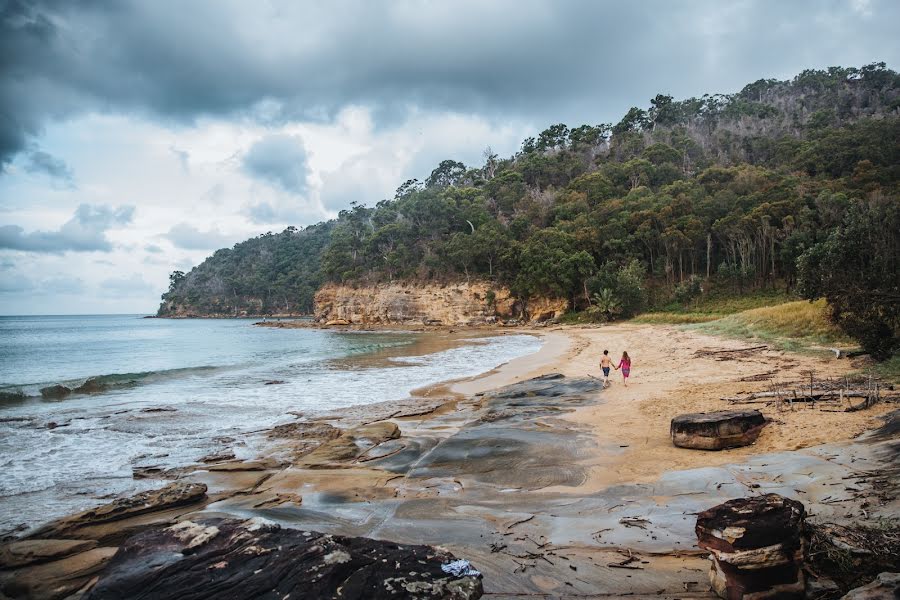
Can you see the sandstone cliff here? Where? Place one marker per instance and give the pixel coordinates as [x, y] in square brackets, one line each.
[458, 304]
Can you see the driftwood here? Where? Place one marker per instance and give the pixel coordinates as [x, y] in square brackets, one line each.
[761, 397]
[704, 351]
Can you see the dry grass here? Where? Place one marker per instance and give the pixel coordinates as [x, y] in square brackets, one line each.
[793, 326]
[675, 318]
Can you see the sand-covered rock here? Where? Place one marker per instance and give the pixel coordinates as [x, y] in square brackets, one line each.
[717, 430]
[756, 547]
[226, 559]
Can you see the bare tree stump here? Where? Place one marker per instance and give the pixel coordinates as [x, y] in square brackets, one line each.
[717, 430]
[755, 546]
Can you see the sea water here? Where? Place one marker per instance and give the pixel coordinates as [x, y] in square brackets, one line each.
[168, 392]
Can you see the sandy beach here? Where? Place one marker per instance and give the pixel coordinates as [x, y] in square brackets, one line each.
[668, 378]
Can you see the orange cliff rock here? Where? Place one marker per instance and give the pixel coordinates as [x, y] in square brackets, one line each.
[456, 304]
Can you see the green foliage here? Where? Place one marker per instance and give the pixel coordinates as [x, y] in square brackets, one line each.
[725, 189]
[857, 269]
[604, 305]
[269, 274]
[688, 290]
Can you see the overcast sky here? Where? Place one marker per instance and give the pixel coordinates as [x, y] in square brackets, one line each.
[136, 137]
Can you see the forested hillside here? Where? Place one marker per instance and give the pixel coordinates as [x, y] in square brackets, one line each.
[269, 274]
[742, 191]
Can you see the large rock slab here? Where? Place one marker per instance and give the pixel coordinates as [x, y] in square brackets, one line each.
[55, 580]
[226, 559]
[885, 587]
[25, 552]
[717, 430]
[755, 546]
[171, 496]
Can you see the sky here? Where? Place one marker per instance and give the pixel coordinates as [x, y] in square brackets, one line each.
[137, 137]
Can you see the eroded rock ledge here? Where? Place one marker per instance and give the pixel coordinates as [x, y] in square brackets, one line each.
[459, 304]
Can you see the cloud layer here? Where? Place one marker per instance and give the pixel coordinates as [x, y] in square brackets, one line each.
[306, 60]
[218, 120]
[84, 232]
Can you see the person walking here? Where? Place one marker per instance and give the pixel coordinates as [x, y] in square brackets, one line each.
[625, 365]
[605, 364]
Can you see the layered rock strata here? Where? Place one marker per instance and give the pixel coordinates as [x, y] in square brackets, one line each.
[458, 304]
[756, 547]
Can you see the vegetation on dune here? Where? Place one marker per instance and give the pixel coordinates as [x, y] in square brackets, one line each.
[792, 325]
[765, 189]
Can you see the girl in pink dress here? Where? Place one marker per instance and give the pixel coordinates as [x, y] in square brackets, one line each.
[625, 364]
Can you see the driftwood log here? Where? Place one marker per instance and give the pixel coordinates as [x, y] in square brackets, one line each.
[755, 546]
[717, 430]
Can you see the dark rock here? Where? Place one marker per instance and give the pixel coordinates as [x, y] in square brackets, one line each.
[885, 587]
[275, 382]
[756, 547]
[226, 558]
[91, 386]
[170, 496]
[55, 392]
[717, 430]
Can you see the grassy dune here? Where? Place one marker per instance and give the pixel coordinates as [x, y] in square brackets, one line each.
[799, 325]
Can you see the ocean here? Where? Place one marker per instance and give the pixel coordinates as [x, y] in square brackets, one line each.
[166, 392]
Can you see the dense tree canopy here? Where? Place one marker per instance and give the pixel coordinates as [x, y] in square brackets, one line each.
[728, 188]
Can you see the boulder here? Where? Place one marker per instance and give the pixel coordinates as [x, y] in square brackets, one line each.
[55, 392]
[334, 322]
[755, 546]
[173, 495]
[885, 587]
[228, 558]
[717, 430]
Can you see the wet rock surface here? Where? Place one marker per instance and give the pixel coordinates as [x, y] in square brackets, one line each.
[756, 547]
[226, 558]
[171, 496]
[717, 430]
[25, 552]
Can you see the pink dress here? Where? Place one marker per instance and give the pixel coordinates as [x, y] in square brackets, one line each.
[625, 365]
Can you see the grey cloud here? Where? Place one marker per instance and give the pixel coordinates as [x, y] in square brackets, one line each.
[132, 286]
[264, 213]
[47, 164]
[11, 283]
[84, 232]
[541, 60]
[188, 237]
[62, 285]
[14, 282]
[279, 160]
[153, 248]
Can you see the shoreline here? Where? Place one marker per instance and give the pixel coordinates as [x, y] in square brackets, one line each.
[515, 469]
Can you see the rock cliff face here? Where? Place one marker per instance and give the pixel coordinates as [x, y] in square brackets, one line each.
[459, 304]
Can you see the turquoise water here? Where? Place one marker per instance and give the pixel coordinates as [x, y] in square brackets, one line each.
[209, 377]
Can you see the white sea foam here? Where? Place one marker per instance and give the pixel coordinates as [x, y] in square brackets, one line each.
[98, 439]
